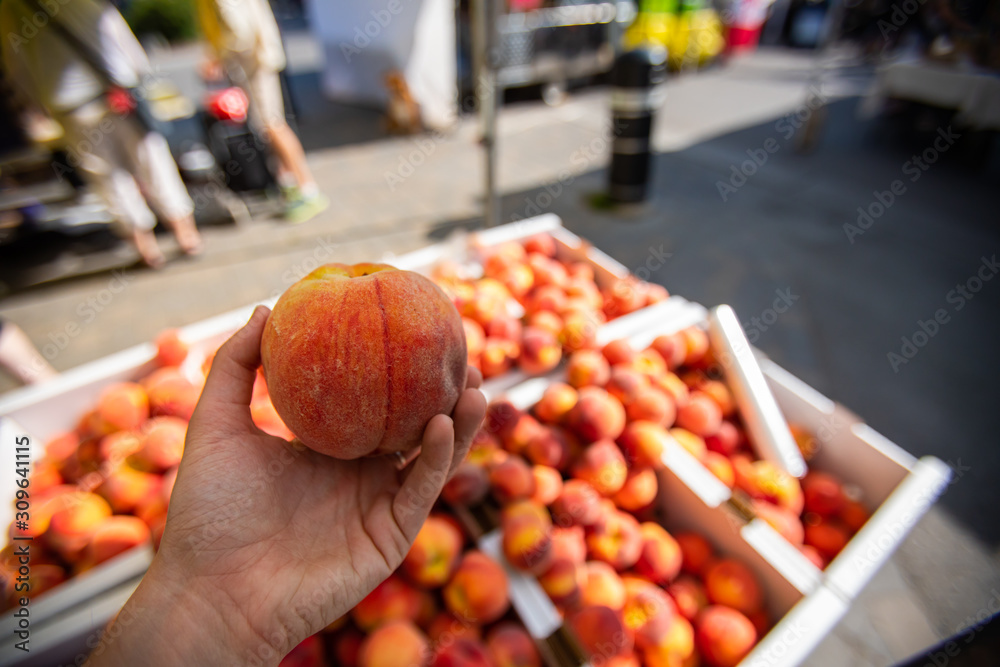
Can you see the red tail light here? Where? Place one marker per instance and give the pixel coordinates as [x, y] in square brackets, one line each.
[227, 104]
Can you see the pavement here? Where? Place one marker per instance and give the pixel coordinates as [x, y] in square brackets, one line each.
[862, 289]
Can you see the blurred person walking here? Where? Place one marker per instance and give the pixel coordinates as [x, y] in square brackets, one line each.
[80, 62]
[20, 357]
[244, 37]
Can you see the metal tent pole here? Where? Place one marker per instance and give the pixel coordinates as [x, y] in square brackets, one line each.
[485, 59]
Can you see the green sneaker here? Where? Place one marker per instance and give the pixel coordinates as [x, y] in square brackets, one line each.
[300, 209]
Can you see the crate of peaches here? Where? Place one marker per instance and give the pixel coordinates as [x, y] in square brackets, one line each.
[447, 605]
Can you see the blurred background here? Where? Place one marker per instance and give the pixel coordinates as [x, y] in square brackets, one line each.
[837, 157]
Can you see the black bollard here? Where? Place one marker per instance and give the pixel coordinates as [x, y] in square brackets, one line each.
[635, 96]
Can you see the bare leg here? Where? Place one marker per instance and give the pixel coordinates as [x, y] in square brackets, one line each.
[19, 356]
[149, 249]
[289, 152]
[187, 235]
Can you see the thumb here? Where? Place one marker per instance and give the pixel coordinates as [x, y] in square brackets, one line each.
[225, 401]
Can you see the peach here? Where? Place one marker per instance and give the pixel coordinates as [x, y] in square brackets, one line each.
[174, 397]
[601, 632]
[62, 447]
[623, 297]
[540, 352]
[689, 441]
[395, 644]
[485, 450]
[505, 327]
[730, 582]
[44, 476]
[461, 653]
[547, 271]
[347, 646]
[619, 352]
[672, 347]
[719, 393]
[597, 415]
[617, 540]
[569, 543]
[562, 582]
[581, 271]
[603, 466]
[555, 403]
[529, 510]
[43, 506]
[549, 447]
[650, 363]
[510, 646]
[522, 431]
[546, 320]
[340, 319]
[489, 300]
[629, 659]
[652, 405]
[674, 387]
[527, 544]
[126, 488]
[434, 554]
[578, 504]
[542, 244]
[696, 344]
[477, 593]
[468, 486]
[308, 653]
[721, 467]
[548, 484]
[162, 444]
[696, 552]
[503, 254]
[769, 482]
[601, 585]
[266, 418]
[700, 415]
[518, 279]
[76, 517]
[580, 326]
[689, 596]
[122, 407]
[587, 367]
[726, 440]
[118, 446]
[724, 636]
[512, 480]
[113, 536]
[643, 444]
[822, 494]
[545, 297]
[656, 293]
[170, 349]
[827, 537]
[660, 558]
[392, 600]
[813, 555]
[808, 445]
[675, 648]
[501, 418]
[626, 384]
[475, 338]
[639, 490]
[498, 356]
[445, 629]
[585, 290]
[648, 613]
[853, 515]
[784, 522]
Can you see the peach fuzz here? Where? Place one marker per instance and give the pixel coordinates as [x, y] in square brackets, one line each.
[731, 583]
[648, 613]
[170, 349]
[113, 536]
[721, 467]
[510, 646]
[569, 543]
[822, 494]
[616, 540]
[689, 596]
[639, 490]
[601, 632]
[461, 653]
[696, 552]
[601, 585]
[652, 405]
[468, 486]
[395, 644]
[498, 356]
[74, 521]
[434, 554]
[700, 415]
[603, 466]
[555, 403]
[512, 480]
[724, 636]
[596, 415]
[396, 325]
[660, 559]
[562, 582]
[392, 600]
[122, 407]
[540, 352]
[586, 368]
[578, 504]
[477, 593]
[643, 444]
[445, 628]
[548, 484]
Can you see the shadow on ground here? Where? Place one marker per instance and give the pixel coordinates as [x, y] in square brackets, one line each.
[855, 296]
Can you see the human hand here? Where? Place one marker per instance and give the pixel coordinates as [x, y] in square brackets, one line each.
[268, 542]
